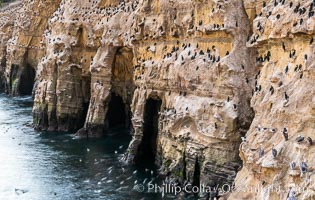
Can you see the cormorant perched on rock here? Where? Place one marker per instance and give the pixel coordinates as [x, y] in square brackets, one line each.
[274, 152]
[286, 96]
[292, 165]
[285, 134]
[261, 152]
[309, 140]
[278, 16]
[303, 167]
[280, 84]
[273, 130]
[271, 90]
[299, 139]
[286, 69]
[283, 1]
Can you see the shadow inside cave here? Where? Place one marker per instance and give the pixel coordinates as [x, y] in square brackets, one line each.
[118, 114]
[26, 81]
[147, 150]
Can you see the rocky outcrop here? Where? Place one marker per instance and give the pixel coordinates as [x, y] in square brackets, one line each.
[190, 77]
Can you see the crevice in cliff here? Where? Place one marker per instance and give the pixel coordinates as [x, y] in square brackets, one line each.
[86, 95]
[118, 114]
[148, 148]
[85, 109]
[184, 166]
[196, 176]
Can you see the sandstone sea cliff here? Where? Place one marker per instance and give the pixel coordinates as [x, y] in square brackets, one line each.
[214, 91]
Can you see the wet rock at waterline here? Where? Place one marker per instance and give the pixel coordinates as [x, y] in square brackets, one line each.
[187, 78]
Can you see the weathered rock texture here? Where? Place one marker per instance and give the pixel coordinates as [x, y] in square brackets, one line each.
[283, 98]
[7, 20]
[187, 55]
[191, 76]
[22, 27]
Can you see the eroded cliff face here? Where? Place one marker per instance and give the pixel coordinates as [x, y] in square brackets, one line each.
[22, 26]
[190, 77]
[283, 102]
[7, 16]
[177, 68]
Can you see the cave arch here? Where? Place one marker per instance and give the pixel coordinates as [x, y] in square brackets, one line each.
[147, 150]
[122, 87]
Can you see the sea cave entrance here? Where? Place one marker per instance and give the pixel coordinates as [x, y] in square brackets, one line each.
[26, 82]
[118, 114]
[148, 148]
[196, 176]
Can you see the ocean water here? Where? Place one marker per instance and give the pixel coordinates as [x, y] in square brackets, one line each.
[43, 166]
[57, 166]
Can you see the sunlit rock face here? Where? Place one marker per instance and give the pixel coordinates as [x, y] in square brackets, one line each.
[177, 68]
[22, 43]
[283, 102]
[188, 77]
[7, 21]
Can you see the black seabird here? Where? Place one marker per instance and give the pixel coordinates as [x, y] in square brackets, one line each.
[299, 139]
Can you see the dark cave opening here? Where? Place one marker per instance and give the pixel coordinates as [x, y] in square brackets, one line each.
[148, 148]
[86, 92]
[196, 177]
[26, 82]
[85, 109]
[118, 114]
